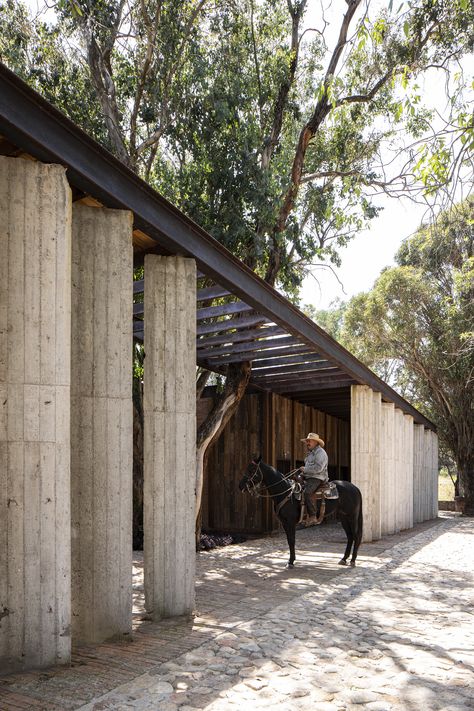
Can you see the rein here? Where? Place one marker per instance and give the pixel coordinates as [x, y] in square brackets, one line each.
[255, 485]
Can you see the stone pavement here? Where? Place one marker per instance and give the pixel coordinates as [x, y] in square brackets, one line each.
[395, 633]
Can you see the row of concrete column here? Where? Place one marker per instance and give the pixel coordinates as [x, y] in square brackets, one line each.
[66, 276]
[395, 464]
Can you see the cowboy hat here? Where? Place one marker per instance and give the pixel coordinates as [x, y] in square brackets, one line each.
[315, 437]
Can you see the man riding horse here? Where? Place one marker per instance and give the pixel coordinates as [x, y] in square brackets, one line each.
[315, 471]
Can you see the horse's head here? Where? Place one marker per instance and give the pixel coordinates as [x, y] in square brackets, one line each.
[252, 476]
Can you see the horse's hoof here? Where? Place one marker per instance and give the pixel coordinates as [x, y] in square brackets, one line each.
[342, 562]
[290, 565]
[353, 564]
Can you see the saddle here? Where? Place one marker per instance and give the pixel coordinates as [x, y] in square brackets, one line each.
[328, 490]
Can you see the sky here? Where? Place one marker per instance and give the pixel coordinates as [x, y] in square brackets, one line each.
[365, 256]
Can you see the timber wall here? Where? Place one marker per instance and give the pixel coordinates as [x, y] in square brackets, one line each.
[272, 426]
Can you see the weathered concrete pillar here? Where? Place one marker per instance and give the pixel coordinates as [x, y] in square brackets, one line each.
[366, 413]
[388, 472]
[431, 473]
[170, 435]
[421, 494]
[408, 499]
[101, 423]
[35, 313]
[399, 469]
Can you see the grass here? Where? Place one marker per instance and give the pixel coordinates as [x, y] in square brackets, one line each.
[445, 487]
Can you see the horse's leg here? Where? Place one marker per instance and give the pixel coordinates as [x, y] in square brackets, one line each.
[350, 539]
[357, 536]
[290, 529]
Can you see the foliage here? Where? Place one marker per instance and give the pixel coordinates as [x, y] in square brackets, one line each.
[419, 320]
[37, 53]
[248, 121]
[330, 320]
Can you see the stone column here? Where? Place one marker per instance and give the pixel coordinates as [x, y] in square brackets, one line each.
[35, 312]
[169, 435]
[101, 423]
[388, 472]
[366, 411]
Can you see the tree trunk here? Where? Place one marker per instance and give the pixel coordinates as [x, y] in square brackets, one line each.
[236, 384]
[466, 485]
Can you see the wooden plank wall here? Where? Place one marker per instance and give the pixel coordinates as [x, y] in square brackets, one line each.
[273, 426]
[225, 508]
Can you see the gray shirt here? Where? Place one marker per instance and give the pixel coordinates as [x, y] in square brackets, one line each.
[316, 464]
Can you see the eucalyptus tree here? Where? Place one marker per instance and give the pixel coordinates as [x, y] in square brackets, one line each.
[418, 321]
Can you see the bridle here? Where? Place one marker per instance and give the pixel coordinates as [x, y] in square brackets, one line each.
[254, 486]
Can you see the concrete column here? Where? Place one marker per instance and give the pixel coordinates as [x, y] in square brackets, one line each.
[169, 435]
[399, 470]
[366, 413]
[408, 436]
[388, 473]
[101, 423]
[35, 312]
[430, 468]
[421, 494]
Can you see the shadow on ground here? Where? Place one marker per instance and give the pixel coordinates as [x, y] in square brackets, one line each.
[237, 585]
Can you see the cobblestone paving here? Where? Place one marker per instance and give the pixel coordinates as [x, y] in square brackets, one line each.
[396, 633]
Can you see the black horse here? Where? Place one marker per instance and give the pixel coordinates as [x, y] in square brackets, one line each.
[348, 507]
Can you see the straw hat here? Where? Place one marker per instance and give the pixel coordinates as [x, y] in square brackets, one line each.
[315, 437]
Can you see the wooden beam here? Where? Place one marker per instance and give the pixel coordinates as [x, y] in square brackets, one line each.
[291, 378]
[304, 390]
[230, 324]
[239, 336]
[291, 369]
[233, 307]
[284, 360]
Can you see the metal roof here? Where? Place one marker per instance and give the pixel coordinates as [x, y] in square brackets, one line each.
[239, 316]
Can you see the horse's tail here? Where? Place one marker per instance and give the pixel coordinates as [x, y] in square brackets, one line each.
[360, 522]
